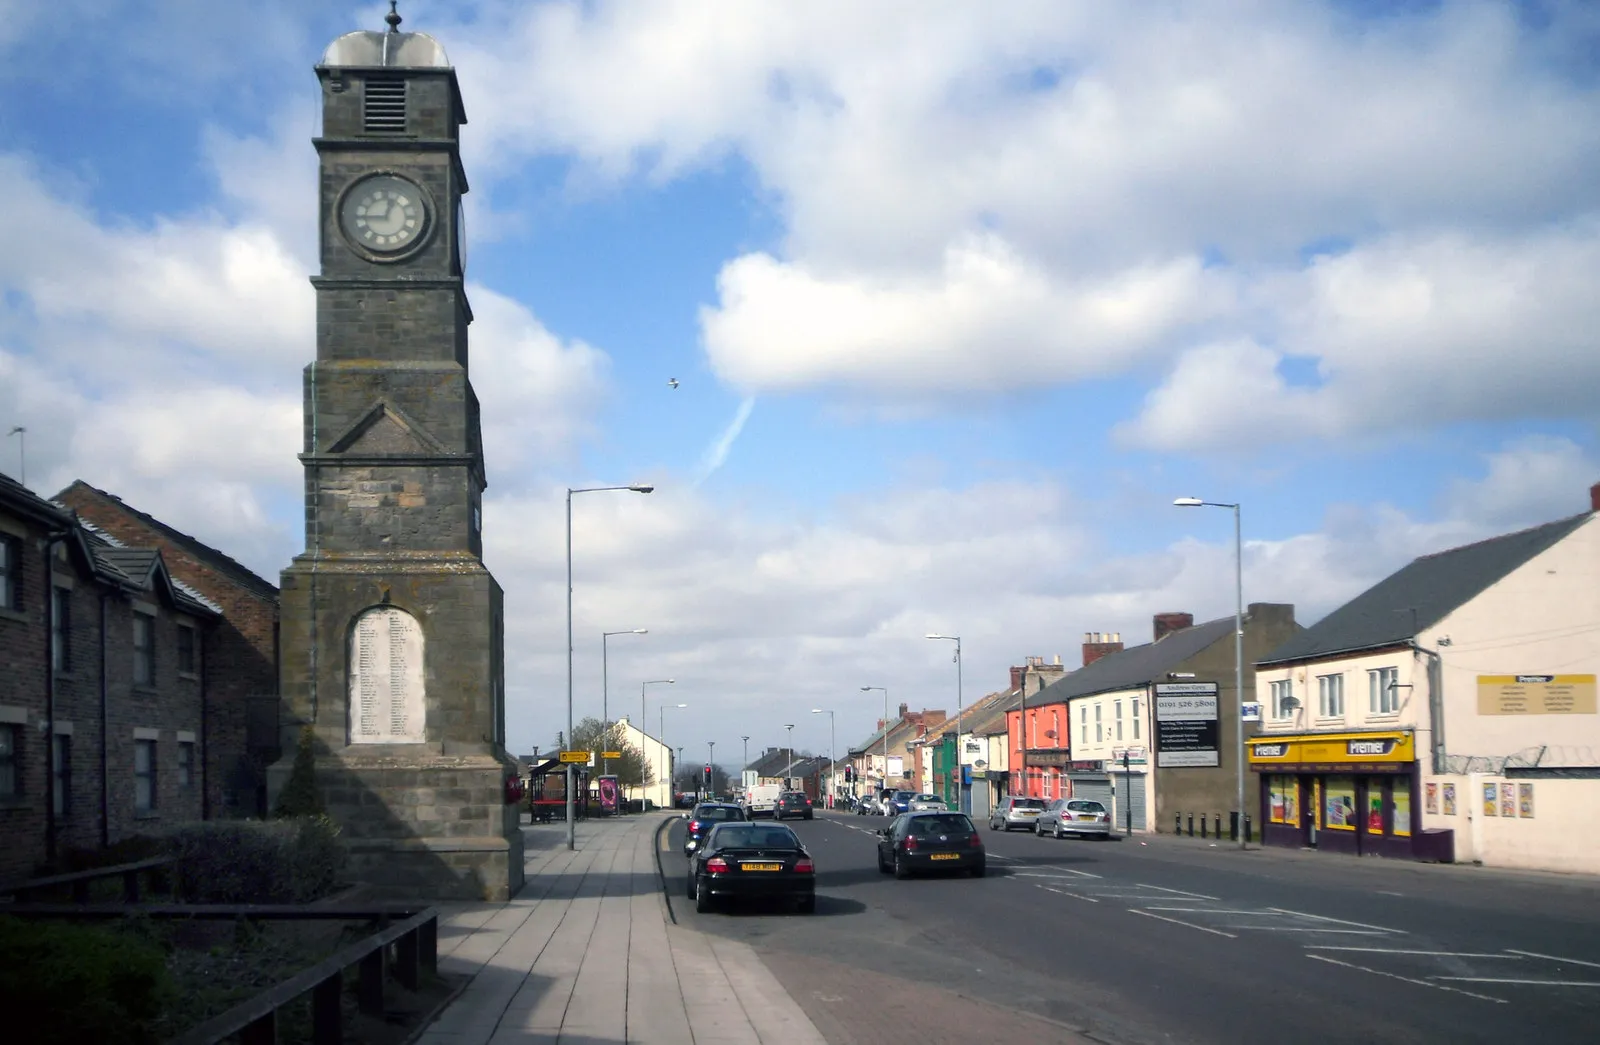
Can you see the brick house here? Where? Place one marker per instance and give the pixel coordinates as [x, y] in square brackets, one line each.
[241, 671]
[103, 706]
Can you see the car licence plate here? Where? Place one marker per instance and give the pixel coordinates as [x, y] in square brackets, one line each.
[762, 867]
[945, 856]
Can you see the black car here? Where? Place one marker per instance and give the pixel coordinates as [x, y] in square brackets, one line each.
[931, 841]
[792, 803]
[740, 861]
[703, 818]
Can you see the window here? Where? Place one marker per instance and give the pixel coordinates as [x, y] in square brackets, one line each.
[1099, 730]
[1283, 698]
[186, 650]
[144, 776]
[1383, 698]
[61, 629]
[1136, 718]
[1119, 720]
[61, 787]
[185, 764]
[1330, 696]
[10, 573]
[1083, 722]
[10, 773]
[1055, 729]
[144, 650]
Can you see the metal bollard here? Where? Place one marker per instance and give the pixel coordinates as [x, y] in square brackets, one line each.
[1233, 825]
[1177, 823]
[1247, 827]
[1218, 821]
[1202, 825]
[1191, 825]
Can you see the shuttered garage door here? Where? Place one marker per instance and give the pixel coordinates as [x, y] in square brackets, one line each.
[1093, 788]
[1137, 797]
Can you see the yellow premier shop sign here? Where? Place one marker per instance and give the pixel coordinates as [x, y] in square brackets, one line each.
[1333, 749]
[574, 756]
[1536, 695]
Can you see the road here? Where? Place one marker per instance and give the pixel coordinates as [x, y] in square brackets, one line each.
[1175, 940]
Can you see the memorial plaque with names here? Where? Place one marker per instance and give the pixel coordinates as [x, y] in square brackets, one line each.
[386, 681]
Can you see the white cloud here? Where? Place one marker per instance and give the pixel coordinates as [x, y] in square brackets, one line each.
[716, 454]
[1533, 479]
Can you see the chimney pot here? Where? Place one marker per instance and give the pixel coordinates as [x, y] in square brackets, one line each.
[1166, 623]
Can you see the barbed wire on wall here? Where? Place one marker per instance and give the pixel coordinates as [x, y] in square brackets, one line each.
[1541, 756]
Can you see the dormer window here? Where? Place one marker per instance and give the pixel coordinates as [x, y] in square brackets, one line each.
[384, 105]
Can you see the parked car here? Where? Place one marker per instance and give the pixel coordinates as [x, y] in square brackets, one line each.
[703, 818]
[1074, 816]
[867, 804]
[752, 861]
[1015, 811]
[792, 803]
[897, 802]
[931, 841]
[925, 802]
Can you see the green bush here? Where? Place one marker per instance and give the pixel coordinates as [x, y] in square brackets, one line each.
[300, 796]
[81, 983]
[251, 861]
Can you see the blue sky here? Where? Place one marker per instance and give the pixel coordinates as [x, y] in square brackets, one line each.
[986, 288]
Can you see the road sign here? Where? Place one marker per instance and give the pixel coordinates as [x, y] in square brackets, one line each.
[610, 754]
[574, 756]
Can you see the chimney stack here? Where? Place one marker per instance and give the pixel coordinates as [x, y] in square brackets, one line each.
[1017, 676]
[1594, 498]
[1097, 644]
[1166, 623]
[903, 709]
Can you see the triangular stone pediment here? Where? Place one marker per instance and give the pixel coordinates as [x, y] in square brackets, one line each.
[385, 431]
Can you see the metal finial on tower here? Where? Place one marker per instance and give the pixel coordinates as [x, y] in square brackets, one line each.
[393, 17]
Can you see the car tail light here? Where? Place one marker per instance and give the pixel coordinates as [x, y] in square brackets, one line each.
[805, 866]
[716, 864]
[911, 843]
[976, 841]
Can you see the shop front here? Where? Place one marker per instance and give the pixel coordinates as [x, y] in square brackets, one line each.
[1346, 792]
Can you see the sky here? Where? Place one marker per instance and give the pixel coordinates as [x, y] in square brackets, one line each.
[959, 297]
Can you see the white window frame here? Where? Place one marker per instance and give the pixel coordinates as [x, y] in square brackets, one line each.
[144, 656]
[1282, 691]
[1118, 704]
[1330, 696]
[1136, 718]
[1099, 728]
[1383, 695]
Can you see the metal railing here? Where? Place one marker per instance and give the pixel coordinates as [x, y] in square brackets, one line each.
[79, 881]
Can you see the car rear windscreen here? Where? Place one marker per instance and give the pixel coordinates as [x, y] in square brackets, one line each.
[755, 836]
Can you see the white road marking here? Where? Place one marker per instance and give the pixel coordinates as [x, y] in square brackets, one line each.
[1211, 910]
[1180, 892]
[1302, 929]
[1174, 921]
[1338, 921]
[1542, 983]
[1405, 979]
[1063, 892]
[1553, 958]
[1391, 950]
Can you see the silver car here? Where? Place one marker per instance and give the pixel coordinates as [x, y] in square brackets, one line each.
[926, 803]
[1016, 811]
[1073, 816]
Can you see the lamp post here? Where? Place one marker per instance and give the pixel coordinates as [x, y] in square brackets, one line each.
[662, 729]
[642, 709]
[957, 640]
[868, 689]
[788, 771]
[21, 432]
[605, 688]
[711, 762]
[572, 823]
[1238, 641]
[833, 784]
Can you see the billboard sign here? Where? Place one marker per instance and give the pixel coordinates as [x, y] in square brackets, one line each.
[608, 794]
[1188, 732]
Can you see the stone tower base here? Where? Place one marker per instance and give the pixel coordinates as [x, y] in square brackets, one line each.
[433, 827]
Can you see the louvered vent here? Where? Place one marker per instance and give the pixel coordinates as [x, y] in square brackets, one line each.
[385, 108]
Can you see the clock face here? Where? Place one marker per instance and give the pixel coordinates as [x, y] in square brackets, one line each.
[384, 214]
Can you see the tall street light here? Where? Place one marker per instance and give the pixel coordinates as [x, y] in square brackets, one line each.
[788, 773]
[572, 822]
[746, 763]
[642, 709]
[1238, 641]
[959, 754]
[711, 761]
[833, 785]
[662, 729]
[868, 689]
[605, 685]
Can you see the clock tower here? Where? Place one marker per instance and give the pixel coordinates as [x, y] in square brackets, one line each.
[392, 633]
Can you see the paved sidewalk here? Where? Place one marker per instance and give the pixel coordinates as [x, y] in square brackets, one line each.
[587, 955]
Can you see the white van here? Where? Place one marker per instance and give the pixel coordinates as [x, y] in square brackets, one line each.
[761, 799]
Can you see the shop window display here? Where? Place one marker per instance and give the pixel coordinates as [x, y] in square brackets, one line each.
[1339, 803]
[1284, 800]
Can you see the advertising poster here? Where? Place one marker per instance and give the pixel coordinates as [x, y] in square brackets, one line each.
[1284, 798]
[1402, 808]
[608, 794]
[1339, 803]
[1525, 800]
[1188, 732]
[1491, 800]
[1508, 799]
[1430, 798]
[1449, 800]
[1375, 807]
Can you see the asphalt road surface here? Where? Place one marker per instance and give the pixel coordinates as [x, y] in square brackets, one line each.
[1168, 940]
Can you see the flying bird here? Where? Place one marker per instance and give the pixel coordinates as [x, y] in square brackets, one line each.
[672, 381]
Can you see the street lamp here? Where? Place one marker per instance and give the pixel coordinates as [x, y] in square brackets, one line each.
[662, 729]
[642, 710]
[605, 686]
[868, 689]
[959, 754]
[833, 784]
[711, 761]
[788, 772]
[1238, 640]
[572, 823]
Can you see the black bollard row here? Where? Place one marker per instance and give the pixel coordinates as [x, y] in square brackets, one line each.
[1191, 825]
[1217, 820]
[1247, 827]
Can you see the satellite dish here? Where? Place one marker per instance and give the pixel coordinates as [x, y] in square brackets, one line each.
[1050, 733]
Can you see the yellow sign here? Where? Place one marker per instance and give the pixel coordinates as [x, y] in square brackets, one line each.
[1536, 695]
[575, 756]
[1333, 749]
[610, 754]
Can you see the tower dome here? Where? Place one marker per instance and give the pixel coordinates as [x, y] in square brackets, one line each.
[391, 49]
